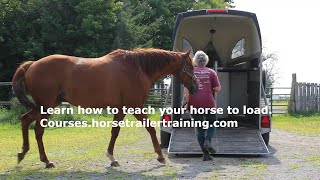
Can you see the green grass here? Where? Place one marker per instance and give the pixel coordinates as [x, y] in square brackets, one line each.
[12, 115]
[77, 152]
[295, 166]
[280, 102]
[254, 164]
[317, 164]
[314, 159]
[303, 124]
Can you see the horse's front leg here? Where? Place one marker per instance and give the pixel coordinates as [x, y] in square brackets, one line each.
[153, 135]
[114, 134]
[39, 130]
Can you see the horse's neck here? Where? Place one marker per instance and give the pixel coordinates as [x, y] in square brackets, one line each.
[171, 68]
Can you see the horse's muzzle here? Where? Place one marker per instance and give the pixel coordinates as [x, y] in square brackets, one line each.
[194, 89]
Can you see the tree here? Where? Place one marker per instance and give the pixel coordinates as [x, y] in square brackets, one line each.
[32, 29]
[270, 61]
[149, 23]
[98, 24]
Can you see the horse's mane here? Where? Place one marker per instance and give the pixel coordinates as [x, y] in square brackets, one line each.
[149, 60]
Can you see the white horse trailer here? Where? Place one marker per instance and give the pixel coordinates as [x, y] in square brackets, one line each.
[232, 40]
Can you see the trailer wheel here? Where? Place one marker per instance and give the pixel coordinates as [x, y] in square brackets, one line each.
[266, 137]
[164, 139]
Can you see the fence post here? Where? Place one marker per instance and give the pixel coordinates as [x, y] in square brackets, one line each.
[304, 97]
[292, 103]
[312, 97]
[271, 99]
[298, 96]
[317, 97]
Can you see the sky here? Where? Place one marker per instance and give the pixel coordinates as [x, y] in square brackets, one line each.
[290, 30]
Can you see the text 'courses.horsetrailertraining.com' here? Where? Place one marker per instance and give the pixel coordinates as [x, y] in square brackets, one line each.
[146, 122]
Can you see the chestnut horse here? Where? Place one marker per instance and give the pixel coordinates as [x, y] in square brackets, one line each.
[120, 78]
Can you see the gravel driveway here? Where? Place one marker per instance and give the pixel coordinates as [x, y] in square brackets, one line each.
[292, 156]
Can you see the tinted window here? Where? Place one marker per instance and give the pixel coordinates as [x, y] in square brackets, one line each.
[238, 49]
[186, 45]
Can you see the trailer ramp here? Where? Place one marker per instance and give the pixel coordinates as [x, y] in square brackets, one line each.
[226, 141]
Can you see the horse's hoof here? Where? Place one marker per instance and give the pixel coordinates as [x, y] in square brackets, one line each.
[50, 165]
[20, 157]
[207, 158]
[115, 164]
[162, 160]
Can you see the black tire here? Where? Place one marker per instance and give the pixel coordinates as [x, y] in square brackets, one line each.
[164, 139]
[266, 137]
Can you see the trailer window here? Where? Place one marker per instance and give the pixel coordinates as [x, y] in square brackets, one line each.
[238, 49]
[186, 45]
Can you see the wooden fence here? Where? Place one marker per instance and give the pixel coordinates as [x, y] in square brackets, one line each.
[305, 97]
[5, 103]
[156, 97]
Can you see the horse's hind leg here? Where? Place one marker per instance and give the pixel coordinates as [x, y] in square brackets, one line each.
[152, 132]
[114, 134]
[39, 130]
[26, 120]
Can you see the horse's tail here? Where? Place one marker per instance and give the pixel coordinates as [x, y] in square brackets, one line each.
[19, 87]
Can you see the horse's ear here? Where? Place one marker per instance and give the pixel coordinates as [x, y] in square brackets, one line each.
[188, 52]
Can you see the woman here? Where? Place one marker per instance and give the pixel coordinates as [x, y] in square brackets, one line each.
[208, 84]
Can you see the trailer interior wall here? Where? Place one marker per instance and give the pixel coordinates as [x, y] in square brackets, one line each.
[239, 89]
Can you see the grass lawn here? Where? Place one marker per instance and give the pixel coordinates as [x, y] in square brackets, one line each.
[302, 124]
[76, 152]
[79, 152]
[278, 102]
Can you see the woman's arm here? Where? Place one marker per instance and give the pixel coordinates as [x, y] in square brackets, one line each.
[216, 89]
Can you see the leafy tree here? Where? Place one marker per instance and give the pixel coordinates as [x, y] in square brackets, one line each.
[135, 29]
[97, 26]
[149, 23]
[270, 61]
[31, 29]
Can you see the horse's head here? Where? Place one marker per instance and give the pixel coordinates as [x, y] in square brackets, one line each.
[186, 73]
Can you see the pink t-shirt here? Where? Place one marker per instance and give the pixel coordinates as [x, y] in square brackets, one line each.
[207, 79]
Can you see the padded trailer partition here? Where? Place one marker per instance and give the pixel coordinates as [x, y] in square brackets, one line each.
[239, 88]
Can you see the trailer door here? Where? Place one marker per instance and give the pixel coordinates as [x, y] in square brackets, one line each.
[226, 141]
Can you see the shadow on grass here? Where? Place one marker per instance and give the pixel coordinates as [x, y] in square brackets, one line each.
[107, 173]
[182, 166]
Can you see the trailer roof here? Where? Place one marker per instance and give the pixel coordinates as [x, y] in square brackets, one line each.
[183, 15]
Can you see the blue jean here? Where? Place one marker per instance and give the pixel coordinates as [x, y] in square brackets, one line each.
[203, 134]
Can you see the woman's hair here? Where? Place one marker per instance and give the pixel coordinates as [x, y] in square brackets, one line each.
[200, 58]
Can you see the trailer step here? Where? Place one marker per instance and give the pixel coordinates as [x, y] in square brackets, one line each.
[226, 141]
